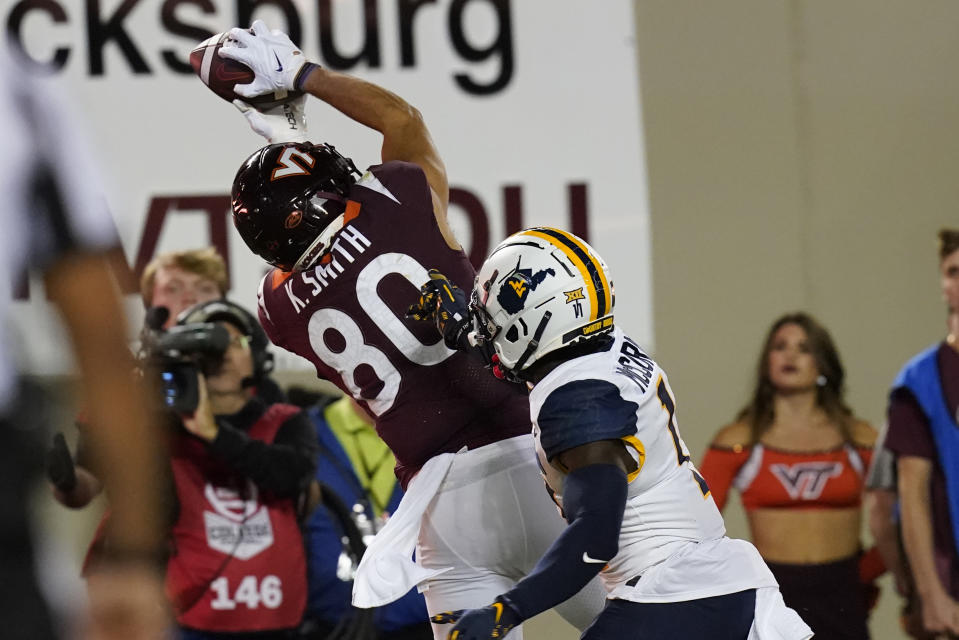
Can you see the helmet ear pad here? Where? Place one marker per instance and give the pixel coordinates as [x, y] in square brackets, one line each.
[259, 346]
[226, 311]
[285, 195]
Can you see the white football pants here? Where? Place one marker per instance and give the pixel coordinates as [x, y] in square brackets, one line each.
[492, 520]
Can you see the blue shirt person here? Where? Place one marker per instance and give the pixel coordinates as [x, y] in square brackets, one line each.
[358, 467]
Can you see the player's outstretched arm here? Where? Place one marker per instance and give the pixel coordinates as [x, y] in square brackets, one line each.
[405, 135]
[124, 439]
[279, 65]
[444, 304]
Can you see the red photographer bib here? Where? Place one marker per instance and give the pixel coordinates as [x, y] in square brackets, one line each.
[238, 562]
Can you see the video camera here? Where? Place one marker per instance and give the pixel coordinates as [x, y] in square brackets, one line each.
[175, 356]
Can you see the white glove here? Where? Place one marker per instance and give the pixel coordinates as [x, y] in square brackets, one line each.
[271, 55]
[283, 123]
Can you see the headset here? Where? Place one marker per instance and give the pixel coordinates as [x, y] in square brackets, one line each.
[246, 322]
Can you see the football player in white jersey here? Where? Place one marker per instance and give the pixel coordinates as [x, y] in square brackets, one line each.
[604, 420]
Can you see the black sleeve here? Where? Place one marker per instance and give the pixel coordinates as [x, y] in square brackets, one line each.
[284, 467]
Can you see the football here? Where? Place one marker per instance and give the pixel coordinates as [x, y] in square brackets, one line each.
[222, 74]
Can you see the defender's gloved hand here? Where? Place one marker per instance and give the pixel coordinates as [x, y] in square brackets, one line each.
[443, 303]
[60, 468]
[494, 621]
[274, 59]
[284, 123]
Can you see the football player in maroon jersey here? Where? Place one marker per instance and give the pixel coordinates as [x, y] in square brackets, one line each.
[349, 252]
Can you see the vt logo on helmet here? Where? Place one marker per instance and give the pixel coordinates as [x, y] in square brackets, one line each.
[540, 290]
[289, 200]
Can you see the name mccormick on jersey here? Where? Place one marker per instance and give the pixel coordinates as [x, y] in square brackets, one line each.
[346, 315]
[672, 543]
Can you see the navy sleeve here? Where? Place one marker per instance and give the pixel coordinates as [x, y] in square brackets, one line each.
[594, 498]
[584, 411]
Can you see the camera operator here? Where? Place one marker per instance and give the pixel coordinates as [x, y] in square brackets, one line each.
[240, 467]
[173, 281]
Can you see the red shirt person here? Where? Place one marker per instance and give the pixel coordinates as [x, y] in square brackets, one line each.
[239, 468]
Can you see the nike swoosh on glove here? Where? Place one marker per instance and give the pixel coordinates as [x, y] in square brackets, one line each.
[283, 123]
[275, 60]
[443, 303]
[492, 622]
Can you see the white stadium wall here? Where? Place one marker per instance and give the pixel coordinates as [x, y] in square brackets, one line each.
[801, 155]
[533, 105]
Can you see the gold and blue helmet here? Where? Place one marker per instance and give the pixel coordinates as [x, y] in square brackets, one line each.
[540, 290]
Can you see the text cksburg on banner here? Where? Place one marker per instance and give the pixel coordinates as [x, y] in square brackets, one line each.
[533, 105]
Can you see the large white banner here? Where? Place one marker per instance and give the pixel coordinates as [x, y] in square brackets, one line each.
[534, 105]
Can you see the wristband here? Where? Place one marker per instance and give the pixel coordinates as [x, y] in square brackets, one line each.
[302, 75]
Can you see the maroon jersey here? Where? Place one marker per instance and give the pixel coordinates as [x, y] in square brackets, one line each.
[346, 315]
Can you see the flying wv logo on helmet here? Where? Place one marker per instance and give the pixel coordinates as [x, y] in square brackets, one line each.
[514, 292]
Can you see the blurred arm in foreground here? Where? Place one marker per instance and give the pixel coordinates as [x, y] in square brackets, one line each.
[56, 221]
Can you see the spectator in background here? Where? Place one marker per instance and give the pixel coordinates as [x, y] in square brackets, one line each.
[175, 281]
[240, 468]
[923, 434]
[798, 457]
[54, 219]
[180, 279]
[357, 466]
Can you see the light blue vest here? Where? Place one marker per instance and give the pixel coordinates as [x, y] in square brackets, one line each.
[921, 377]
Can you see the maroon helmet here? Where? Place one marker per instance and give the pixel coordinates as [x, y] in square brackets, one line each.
[285, 196]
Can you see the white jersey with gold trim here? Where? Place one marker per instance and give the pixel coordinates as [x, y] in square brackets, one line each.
[672, 544]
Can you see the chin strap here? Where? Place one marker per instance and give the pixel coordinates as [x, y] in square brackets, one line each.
[515, 372]
[319, 246]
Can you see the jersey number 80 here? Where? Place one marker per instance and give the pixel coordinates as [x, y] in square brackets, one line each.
[357, 352]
